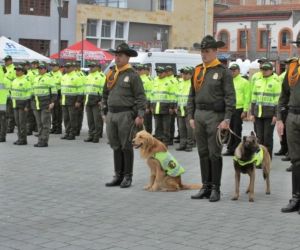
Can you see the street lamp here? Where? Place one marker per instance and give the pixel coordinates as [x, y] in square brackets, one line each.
[60, 5]
[246, 40]
[82, 44]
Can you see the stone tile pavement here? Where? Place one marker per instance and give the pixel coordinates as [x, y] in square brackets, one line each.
[55, 198]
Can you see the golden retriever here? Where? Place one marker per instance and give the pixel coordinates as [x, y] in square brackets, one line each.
[159, 180]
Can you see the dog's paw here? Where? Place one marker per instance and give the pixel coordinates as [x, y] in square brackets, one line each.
[235, 198]
[147, 187]
[251, 200]
[268, 193]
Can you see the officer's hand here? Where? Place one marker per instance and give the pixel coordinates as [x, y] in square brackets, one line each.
[104, 118]
[280, 127]
[26, 109]
[274, 119]
[147, 111]
[171, 111]
[192, 123]
[77, 104]
[139, 121]
[252, 118]
[243, 115]
[51, 106]
[175, 111]
[224, 125]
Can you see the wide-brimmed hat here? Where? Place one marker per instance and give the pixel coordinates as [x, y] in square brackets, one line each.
[208, 42]
[125, 49]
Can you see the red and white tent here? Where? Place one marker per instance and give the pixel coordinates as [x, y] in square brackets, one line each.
[90, 52]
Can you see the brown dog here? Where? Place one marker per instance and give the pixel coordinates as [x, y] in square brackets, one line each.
[248, 156]
[159, 178]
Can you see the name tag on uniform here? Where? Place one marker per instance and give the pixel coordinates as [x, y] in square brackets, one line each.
[126, 79]
[215, 76]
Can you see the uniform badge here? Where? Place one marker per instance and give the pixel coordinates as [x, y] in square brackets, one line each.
[126, 79]
[215, 76]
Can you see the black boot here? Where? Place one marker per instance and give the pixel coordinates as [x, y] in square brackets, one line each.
[128, 168]
[118, 167]
[205, 167]
[293, 205]
[216, 173]
[215, 193]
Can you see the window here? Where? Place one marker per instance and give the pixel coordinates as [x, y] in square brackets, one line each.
[65, 9]
[106, 29]
[91, 27]
[263, 39]
[34, 7]
[224, 37]
[112, 3]
[165, 5]
[284, 39]
[120, 30]
[40, 46]
[7, 7]
[242, 39]
[63, 44]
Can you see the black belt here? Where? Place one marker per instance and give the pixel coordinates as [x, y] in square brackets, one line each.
[205, 106]
[295, 111]
[119, 109]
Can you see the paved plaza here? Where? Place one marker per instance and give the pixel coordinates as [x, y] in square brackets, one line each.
[55, 198]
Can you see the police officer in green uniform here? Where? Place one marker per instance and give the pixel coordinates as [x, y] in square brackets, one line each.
[56, 112]
[93, 89]
[80, 109]
[142, 70]
[185, 130]
[264, 100]
[71, 101]
[10, 75]
[210, 106]
[124, 99]
[4, 88]
[21, 94]
[290, 99]
[243, 96]
[44, 96]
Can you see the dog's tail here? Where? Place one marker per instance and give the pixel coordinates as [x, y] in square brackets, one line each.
[190, 186]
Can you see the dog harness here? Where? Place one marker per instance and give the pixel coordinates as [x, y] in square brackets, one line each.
[257, 158]
[169, 164]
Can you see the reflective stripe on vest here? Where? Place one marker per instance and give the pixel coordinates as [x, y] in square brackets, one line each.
[257, 158]
[169, 164]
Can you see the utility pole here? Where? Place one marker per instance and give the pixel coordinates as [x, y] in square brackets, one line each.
[268, 37]
[246, 40]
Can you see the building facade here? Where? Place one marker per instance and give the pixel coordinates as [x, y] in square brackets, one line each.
[35, 23]
[255, 31]
[146, 24]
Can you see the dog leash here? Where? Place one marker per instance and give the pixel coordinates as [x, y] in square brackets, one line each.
[223, 136]
[134, 130]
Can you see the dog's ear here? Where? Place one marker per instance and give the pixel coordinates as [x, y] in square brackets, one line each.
[253, 133]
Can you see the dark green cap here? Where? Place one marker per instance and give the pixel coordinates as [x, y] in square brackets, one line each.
[7, 58]
[160, 69]
[42, 66]
[234, 66]
[267, 66]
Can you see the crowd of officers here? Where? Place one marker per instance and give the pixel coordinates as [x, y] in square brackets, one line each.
[40, 97]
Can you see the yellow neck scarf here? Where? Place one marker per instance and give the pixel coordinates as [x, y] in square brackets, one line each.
[112, 75]
[200, 73]
[293, 73]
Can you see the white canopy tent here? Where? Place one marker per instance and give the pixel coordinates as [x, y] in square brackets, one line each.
[18, 52]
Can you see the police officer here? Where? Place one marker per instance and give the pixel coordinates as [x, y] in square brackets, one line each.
[4, 88]
[243, 96]
[290, 98]
[10, 75]
[44, 96]
[185, 129]
[210, 106]
[124, 99]
[162, 105]
[142, 70]
[80, 109]
[93, 89]
[264, 100]
[21, 94]
[71, 100]
[56, 76]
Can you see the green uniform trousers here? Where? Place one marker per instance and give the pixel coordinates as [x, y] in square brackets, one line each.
[70, 115]
[3, 124]
[94, 120]
[43, 120]
[186, 132]
[21, 121]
